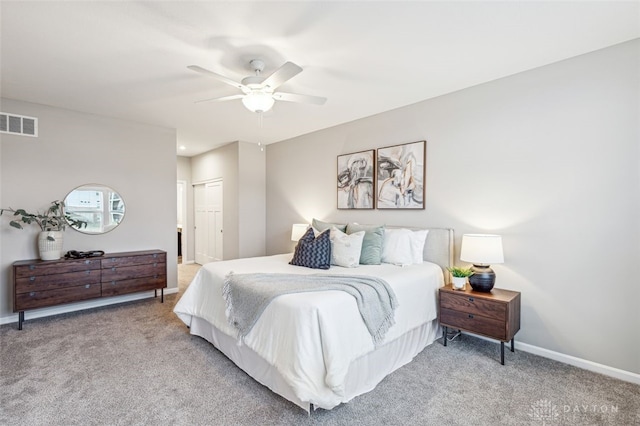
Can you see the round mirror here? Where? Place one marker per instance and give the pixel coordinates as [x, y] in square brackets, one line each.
[99, 206]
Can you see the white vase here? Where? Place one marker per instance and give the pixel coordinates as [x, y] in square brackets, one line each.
[50, 249]
[459, 283]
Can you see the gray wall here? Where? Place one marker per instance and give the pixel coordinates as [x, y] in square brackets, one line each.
[241, 166]
[548, 158]
[73, 148]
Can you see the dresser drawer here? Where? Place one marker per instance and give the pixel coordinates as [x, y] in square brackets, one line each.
[57, 281]
[116, 273]
[55, 267]
[474, 323]
[119, 261]
[114, 288]
[473, 305]
[40, 299]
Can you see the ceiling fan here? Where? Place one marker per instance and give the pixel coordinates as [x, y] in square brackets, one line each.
[259, 92]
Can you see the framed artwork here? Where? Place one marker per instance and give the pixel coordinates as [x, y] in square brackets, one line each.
[356, 181]
[400, 177]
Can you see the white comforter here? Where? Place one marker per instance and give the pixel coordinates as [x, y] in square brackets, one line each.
[311, 338]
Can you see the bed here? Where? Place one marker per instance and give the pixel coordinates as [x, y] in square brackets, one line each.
[313, 348]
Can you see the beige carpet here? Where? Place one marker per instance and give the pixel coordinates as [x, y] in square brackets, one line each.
[136, 364]
[186, 272]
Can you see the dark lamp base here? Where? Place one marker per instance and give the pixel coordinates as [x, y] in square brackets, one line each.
[483, 278]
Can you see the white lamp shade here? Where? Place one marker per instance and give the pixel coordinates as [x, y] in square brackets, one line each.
[298, 230]
[257, 101]
[482, 249]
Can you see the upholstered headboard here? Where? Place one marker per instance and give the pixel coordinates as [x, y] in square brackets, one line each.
[439, 248]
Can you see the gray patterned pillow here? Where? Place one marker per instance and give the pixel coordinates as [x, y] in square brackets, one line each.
[313, 252]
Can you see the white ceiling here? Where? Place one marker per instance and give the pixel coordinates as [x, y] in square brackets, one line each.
[129, 59]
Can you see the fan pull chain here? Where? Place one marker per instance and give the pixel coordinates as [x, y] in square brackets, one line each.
[260, 123]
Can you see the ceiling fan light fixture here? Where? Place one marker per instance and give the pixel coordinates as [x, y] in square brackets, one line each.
[258, 101]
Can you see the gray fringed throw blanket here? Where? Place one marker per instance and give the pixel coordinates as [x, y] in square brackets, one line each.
[247, 296]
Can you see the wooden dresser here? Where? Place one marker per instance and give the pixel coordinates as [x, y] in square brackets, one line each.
[495, 314]
[39, 284]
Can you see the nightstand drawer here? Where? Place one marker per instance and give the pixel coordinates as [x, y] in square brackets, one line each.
[466, 303]
[474, 323]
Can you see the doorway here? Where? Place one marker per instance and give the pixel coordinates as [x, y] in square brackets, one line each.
[208, 217]
[182, 221]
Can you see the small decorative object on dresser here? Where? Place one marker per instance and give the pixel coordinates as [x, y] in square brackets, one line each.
[51, 223]
[495, 314]
[460, 276]
[38, 284]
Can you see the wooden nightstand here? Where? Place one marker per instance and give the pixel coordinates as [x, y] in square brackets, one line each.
[495, 314]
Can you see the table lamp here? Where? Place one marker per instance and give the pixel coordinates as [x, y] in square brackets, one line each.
[482, 250]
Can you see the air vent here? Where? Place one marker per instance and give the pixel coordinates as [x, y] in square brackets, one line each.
[18, 124]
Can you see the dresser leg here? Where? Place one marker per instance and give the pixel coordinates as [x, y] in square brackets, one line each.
[20, 319]
[444, 335]
[502, 353]
[512, 342]
[162, 295]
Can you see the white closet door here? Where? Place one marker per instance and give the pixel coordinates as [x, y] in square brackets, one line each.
[201, 224]
[208, 212]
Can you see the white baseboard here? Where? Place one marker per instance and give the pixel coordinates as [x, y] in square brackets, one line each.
[616, 373]
[73, 307]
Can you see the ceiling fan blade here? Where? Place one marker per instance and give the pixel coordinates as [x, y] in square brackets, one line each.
[281, 75]
[294, 97]
[224, 98]
[217, 76]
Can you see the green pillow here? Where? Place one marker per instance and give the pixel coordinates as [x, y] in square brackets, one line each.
[319, 225]
[371, 253]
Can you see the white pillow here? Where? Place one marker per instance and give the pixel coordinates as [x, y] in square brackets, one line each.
[418, 239]
[403, 246]
[345, 248]
[397, 247]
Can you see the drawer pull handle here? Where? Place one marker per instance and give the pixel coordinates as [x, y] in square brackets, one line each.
[155, 255]
[32, 278]
[471, 299]
[87, 286]
[155, 264]
[32, 294]
[87, 272]
[113, 283]
[86, 262]
[32, 267]
[113, 269]
[471, 316]
[155, 276]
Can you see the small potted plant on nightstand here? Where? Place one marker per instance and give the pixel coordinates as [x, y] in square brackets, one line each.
[51, 223]
[460, 276]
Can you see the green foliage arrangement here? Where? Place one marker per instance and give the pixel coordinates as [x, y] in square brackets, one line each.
[52, 219]
[460, 272]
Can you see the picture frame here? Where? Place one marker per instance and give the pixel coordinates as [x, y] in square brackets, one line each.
[356, 180]
[400, 176]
